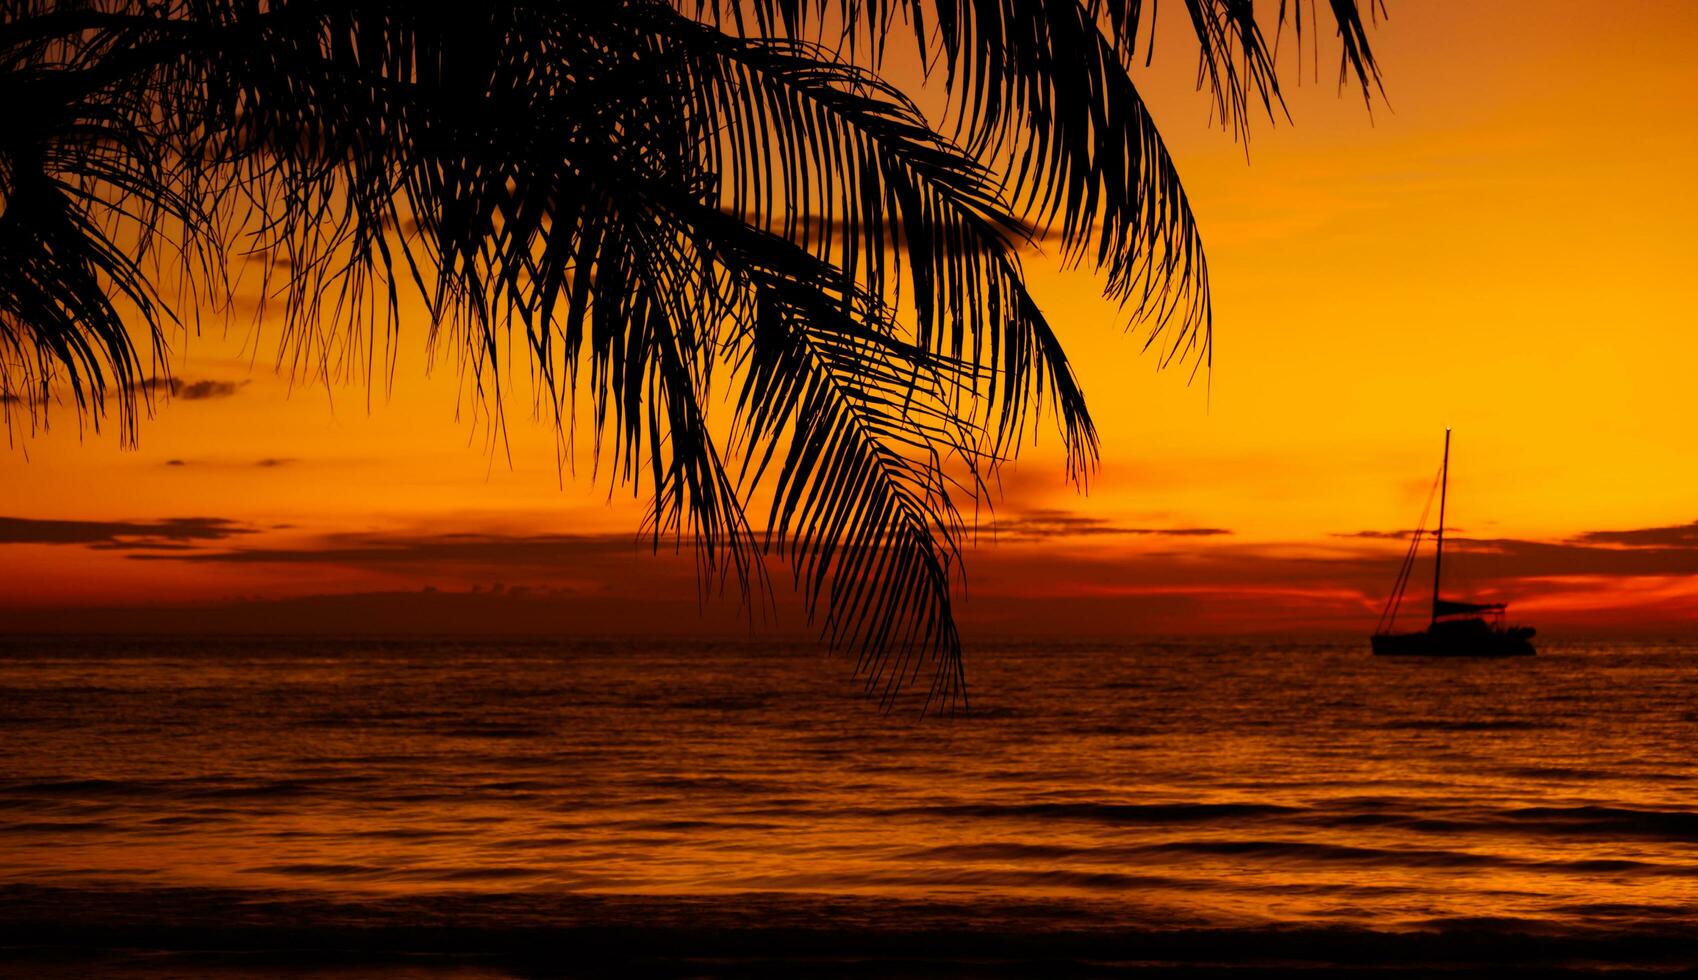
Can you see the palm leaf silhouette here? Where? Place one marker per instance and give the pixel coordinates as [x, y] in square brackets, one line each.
[650, 196]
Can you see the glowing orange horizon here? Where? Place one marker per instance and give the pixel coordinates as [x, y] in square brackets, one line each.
[1505, 248]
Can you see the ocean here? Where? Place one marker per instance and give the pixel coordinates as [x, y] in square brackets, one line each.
[486, 808]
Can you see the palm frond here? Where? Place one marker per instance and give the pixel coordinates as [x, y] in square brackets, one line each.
[1043, 92]
[648, 197]
[838, 161]
[854, 426]
[73, 280]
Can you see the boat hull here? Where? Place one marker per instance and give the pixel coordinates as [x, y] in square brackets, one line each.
[1446, 640]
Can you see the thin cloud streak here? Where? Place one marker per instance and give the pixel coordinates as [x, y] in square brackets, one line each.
[119, 534]
[1403, 535]
[1026, 579]
[532, 552]
[1673, 536]
[265, 462]
[190, 391]
[1048, 524]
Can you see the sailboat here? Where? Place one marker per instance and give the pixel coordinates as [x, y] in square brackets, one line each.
[1457, 628]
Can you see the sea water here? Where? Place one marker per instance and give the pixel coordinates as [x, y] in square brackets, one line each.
[1155, 801]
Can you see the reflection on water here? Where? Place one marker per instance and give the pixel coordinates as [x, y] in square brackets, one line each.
[1217, 784]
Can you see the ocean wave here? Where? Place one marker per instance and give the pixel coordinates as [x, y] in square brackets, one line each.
[1263, 786]
[758, 933]
[1681, 825]
[722, 703]
[1572, 774]
[19, 794]
[1413, 857]
[977, 878]
[1465, 725]
[21, 791]
[493, 731]
[375, 873]
[1004, 851]
[1119, 813]
[1306, 852]
[689, 825]
[320, 870]
[1309, 851]
[57, 827]
[1423, 816]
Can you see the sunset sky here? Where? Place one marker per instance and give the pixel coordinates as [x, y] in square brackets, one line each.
[1504, 245]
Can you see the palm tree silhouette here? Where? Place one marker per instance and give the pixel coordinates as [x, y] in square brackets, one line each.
[681, 199]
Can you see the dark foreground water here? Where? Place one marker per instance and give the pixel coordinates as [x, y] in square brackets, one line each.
[356, 807]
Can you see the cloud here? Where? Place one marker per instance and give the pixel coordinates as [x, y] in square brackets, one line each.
[1178, 579]
[1402, 535]
[191, 391]
[1512, 558]
[271, 258]
[195, 391]
[1679, 535]
[205, 389]
[171, 532]
[1230, 586]
[1366, 567]
[264, 462]
[1038, 525]
[1675, 536]
[534, 553]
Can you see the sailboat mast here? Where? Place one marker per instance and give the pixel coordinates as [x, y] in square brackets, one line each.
[1438, 557]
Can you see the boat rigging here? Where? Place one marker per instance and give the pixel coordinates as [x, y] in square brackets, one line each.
[1456, 628]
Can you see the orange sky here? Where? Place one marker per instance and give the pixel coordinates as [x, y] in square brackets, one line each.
[1505, 248]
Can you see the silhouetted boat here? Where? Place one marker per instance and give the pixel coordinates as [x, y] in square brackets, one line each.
[1457, 628]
